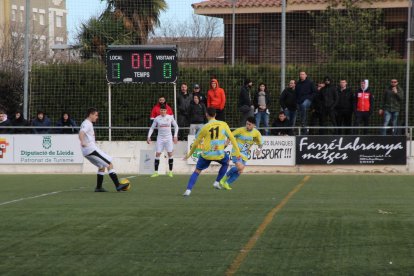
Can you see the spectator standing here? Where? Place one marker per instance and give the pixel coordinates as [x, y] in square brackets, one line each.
[344, 108]
[261, 103]
[216, 98]
[288, 102]
[197, 91]
[363, 105]
[19, 121]
[246, 106]
[156, 109]
[316, 109]
[392, 99]
[305, 91]
[4, 122]
[282, 124]
[183, 105]
[197, 114]
[41, 120]
[329, 97]
[68, 123]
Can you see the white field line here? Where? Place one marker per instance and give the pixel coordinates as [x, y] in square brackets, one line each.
[47, 194]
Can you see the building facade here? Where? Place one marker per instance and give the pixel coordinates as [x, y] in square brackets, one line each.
[258, 27]
[48, 25]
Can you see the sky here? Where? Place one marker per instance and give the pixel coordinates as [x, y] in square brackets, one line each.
[81, 10]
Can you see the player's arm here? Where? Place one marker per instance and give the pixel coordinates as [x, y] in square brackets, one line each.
[236, 133]
[175, 125]
[82, 138]
[196, 142]
[259, 142]
[151, 130]
[233, 141]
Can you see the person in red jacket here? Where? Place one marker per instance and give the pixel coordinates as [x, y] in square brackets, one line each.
[216, 98]
[156, 109]
[363, 105]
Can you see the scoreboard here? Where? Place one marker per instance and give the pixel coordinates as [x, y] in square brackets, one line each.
[141, 64]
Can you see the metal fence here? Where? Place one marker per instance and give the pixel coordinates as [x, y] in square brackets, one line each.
[231, 41]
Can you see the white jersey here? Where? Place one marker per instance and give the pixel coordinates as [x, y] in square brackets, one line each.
[87, 128]
[163, 124]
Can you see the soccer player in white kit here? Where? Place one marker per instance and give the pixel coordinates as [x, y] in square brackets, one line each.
[94, 154]
[165, 139]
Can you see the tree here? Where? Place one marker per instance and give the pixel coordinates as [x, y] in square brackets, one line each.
[98, 32]
[347, 32]
[138, 16]
[194, 37]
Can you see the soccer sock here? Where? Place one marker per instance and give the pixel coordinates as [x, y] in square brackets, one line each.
[170, 163]
[231, 172]
[114, 177]
[156, 163]
[222, 171]
[192, 181]
[233, 177]
[99, 180]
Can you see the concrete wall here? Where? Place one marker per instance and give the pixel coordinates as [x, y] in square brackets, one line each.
[127, 156]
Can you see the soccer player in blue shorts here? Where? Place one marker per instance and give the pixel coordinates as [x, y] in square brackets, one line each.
[245, 137]
[213, 137]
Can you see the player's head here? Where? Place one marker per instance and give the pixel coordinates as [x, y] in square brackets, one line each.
[92, 114]
[211, 113]
[163, 110]
[250, 123]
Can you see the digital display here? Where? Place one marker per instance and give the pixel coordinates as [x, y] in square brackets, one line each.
[141, 64]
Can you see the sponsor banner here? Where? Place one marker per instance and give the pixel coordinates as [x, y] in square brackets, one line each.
[146, 162]
[6, 149]
[41, 149]
[276, 151]
[351, 150]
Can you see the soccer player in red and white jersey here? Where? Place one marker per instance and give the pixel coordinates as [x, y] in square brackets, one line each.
[165, 139]
[96, 156]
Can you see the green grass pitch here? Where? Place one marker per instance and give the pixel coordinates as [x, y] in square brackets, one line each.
[333, 225]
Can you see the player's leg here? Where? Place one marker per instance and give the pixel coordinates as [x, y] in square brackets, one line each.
[223, 169]
[99, 180]
[102, 161]
[170, 148]
[156, 163]
[201, 165]
[237, 171]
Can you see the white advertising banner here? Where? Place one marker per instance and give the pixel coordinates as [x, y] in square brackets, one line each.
[276, 151]
[41, 149]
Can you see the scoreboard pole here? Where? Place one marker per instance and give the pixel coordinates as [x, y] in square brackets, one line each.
[175, 101]
[110, 112]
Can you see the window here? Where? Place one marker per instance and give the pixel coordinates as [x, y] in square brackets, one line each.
[21, 16]
[41, 19]
[13, 15]
[253, 41]
[59, 21]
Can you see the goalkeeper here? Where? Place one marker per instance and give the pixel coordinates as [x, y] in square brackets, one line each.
[245, 136]
[213, 138]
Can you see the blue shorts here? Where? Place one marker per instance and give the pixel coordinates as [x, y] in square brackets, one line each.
[238, 160]
[203, 164]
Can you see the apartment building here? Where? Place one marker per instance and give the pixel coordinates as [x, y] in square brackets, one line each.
[47, 23]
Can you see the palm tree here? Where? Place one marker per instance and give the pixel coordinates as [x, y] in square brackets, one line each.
[140, 16]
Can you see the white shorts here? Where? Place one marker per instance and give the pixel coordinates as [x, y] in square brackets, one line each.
[99, 158]
[166, 143]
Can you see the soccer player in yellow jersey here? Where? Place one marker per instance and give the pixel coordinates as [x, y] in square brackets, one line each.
[213, 137]
[245, 137]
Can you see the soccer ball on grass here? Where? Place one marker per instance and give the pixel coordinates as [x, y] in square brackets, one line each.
[124, 181]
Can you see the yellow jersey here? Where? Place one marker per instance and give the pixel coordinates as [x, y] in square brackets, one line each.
[245, 139]
[213, 137]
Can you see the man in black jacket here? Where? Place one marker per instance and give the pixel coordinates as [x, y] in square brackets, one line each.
[344, 108]
[246, 106]
[305, 91]
[288, 102]
[183, 105]
[329, 97]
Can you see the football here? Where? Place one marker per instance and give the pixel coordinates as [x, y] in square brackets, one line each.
[124, 181]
